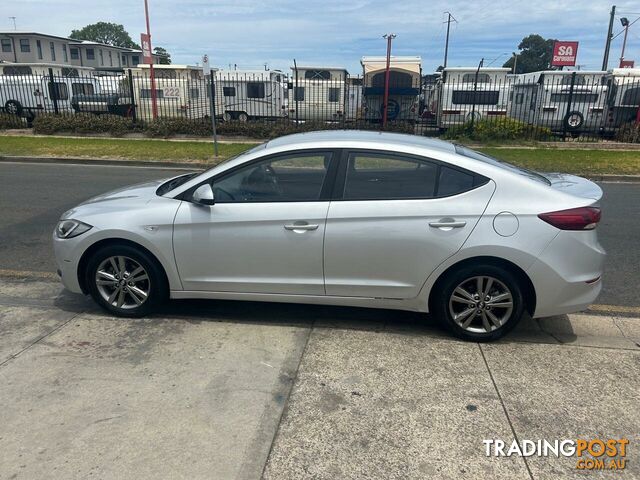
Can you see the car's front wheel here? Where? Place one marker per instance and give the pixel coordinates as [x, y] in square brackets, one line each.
[479, 302]
[125, 281]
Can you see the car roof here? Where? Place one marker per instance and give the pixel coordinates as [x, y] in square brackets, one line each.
[360, 138]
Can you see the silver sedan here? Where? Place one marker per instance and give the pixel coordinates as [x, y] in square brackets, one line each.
[346, 218]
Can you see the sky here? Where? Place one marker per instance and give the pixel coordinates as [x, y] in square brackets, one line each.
[250, 33]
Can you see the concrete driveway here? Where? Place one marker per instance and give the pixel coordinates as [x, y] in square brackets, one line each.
[229, 390]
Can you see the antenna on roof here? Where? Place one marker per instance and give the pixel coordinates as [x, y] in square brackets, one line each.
[14, 22]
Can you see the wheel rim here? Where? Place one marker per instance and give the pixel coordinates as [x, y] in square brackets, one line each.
[481, 304]
[12, 108]
[574, 121]
[122, 282]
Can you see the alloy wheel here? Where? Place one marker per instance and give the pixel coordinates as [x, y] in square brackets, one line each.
[122, 282]
[481, 304]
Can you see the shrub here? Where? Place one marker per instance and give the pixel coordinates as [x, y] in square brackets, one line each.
[629, 133]
[497, 129]
[8, 121]
[165, 127]
[82, 123]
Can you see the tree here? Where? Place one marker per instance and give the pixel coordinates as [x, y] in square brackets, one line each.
[535, 54]
[165, 57]
[104, 32]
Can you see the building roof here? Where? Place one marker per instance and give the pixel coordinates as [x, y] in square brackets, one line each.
[19, 32]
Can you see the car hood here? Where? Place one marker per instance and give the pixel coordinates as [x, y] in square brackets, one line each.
[121, 199]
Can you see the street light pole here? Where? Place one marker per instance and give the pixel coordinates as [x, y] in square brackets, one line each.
[385, 106]
[625, 24]
[152, 77]
[446, 43]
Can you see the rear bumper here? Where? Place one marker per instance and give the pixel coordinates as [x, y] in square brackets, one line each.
[567, 276]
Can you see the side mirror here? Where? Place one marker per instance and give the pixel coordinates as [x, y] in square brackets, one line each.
[203, 195]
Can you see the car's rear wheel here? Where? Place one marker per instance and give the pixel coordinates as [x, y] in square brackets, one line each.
[479, 302]
[125, 281]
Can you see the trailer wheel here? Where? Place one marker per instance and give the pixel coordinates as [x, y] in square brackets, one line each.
[243, 117]
[573, 120]
[13, 107]
[226, 116]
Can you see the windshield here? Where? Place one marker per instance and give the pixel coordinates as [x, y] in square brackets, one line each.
[467, 152]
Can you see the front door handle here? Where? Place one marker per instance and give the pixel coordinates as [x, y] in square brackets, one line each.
[303, 226]
[446, 224]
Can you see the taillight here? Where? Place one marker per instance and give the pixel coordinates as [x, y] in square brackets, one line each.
[583, 218]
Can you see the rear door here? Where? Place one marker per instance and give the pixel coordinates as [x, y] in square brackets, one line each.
[395, 218]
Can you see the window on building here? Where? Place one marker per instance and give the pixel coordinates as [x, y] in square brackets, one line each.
[135, 60]
[17, 70]
[75, 54]
[229, 91]
[82, 89]
[39, 48]
[471, 78]
[334, 94]
[25, 45]
[469, 97]
[59, 90]
[101, 57]
[255, 90]
[146, 93]
[91, 54]
[317, 75]
[298, 94]
[64, 53]
[124, 60]
[52, 47]
[6, 45]
[110, 59]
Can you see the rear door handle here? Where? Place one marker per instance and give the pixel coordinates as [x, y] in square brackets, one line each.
[446, 224]
[301, 226]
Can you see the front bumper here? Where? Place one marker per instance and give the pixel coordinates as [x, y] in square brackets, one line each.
[68, 253]
[567, 276]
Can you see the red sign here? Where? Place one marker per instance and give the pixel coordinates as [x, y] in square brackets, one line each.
[564, 54]
[145, 41]
[627, 64]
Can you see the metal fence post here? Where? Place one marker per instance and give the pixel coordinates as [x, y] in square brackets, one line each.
[295, 87]
[134, 114]
[213, 113]
[475, 89]
[53, 91]
[569, 100]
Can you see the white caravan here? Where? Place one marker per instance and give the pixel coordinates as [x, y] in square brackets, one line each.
[30, 95]
[40, 69]
[623, 98]
[318, 93]
[404, 88]
[252, 94]
[182, 91]
[465, 93]
[571, 101]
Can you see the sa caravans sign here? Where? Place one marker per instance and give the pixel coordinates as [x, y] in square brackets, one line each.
[145, 41]
[564, 54]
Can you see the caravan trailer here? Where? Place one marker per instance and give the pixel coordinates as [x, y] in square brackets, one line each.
[182, 91]
[623, 98]
[572, 101]
[317, 93]
[252, 94]
[465, 93]
[353, 109]
[404, 87]
[29, 95]
[41, 69]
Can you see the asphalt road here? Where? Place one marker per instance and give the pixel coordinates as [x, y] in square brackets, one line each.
[32, 197]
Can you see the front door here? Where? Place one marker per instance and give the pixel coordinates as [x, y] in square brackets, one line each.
[265, 232]
[399, 218]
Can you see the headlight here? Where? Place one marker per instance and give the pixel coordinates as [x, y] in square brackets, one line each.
[71, 228]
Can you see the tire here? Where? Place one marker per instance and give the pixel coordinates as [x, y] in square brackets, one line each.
[482, 326]
[125, 305]
[573, 121]
[243, 117]
[13, 107]
[226, 116]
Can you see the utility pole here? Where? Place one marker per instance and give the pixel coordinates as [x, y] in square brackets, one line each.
[625, 24]
[607, 45]
[152, 76]
[14, 22]
[446, 43]
[515, 62]
[385, 106]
